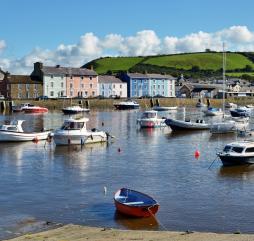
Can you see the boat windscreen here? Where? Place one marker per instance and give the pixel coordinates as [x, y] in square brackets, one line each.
[237, 149]
[227, 148]
[149, 115]
[72, 126]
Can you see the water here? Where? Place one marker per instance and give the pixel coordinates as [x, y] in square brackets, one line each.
[40, 182]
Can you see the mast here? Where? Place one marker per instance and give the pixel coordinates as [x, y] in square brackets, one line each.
[223, 76]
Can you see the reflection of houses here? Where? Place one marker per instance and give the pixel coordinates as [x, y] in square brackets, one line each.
[149, 85]
[65, 81]
[191, 90]
[21, 87]
[110, 85]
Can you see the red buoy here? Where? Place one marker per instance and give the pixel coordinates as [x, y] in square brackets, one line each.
[197, 154]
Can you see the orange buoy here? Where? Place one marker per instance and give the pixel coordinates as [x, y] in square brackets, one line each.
[197, 154]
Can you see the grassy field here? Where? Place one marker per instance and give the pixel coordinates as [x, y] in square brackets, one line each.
[116, 64]
[204, 61]
[239, 74]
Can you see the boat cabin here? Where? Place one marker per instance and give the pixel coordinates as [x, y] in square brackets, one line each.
[13, 126]
[149, 114]
[74, 124]
[240, 147]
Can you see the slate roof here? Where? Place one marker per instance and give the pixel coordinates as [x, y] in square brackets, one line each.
[109, 79]
[199, 87]
[149, 76]
[23, 79]
[68, 71]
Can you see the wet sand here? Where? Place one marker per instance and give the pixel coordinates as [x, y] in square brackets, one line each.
[76, 232]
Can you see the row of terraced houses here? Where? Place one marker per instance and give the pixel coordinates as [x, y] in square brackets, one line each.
[58, 82]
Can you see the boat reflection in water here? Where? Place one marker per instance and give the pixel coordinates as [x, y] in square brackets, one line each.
[243, 172]
[132, 223]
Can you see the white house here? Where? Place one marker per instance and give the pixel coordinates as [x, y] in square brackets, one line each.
[111, 86]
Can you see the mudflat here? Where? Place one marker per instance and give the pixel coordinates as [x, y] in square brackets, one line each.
[76, 232]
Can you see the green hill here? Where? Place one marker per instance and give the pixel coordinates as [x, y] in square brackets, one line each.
[190, 64]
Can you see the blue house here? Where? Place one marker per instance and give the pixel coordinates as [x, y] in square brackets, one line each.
[149, 85]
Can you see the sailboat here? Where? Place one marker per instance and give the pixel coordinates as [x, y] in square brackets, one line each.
[226, 126]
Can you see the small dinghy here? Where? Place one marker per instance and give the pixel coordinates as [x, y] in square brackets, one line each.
[187, 124]
[164, 108]
[134, 203]
[13, 131]
[150, 119]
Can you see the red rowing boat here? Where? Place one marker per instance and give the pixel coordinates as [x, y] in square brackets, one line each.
[134, 203]
[34, 109]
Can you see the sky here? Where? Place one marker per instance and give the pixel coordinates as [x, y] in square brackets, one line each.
[73, 32]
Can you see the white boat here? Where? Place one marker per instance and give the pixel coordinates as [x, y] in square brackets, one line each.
[223, 127]
[200, 104]
[164, 108]
[211, 111]
[187, 124]
[230, 105]
[150, 119]
[14, 132]
[19, 108]
[74, 132]
[74, 110]
[126, 105]
[237, 153]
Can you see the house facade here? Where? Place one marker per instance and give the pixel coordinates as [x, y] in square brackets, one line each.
[111, 86]
[22, 87]
[149, 85]
[65, 81]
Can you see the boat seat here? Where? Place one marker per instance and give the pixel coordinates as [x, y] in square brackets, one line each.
[134, 203]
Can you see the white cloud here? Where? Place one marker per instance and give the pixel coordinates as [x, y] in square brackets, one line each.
[146, 42]
[2, 45]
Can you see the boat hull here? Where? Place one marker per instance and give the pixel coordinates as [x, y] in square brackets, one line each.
[72, 112]
[39, 110]
[228, 160]
[135, 204]
[184, 125]
[139, 212]
[164, 108]
[126, 107]
[8, 136]
[79, 139]
[151, 123]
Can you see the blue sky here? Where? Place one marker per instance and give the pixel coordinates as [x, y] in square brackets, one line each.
[29, 27]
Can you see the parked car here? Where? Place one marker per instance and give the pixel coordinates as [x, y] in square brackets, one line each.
[42, 97]
[2, 97]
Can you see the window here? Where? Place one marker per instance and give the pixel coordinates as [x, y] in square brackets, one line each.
[71, 77]
[82, 86]
[237, 149]
[19, 95]
[71, 85]
[93, 93]
[102, 93]
[51, 84]
[62, 84]
[91, 78]
[120, 86]
[86, 93]
[114, 86]
[250, 149]
[120, 93]
[102, 86]
[91, 86]
[35, 86]
[71, 93]
[20, 86]
[52, 76]
[81, 77]
[51, 93]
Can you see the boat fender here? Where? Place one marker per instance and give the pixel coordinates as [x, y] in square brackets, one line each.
[35, 140]
[197, 154]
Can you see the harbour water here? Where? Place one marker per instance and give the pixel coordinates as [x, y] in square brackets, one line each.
[42, 182]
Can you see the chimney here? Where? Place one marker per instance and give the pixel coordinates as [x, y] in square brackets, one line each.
[91, 67]
[38, 66]
[58, 66]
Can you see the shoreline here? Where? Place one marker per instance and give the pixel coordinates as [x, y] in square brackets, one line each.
[99, 104]
[77, 232]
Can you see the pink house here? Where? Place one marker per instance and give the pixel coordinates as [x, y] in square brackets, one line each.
[82, 83]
